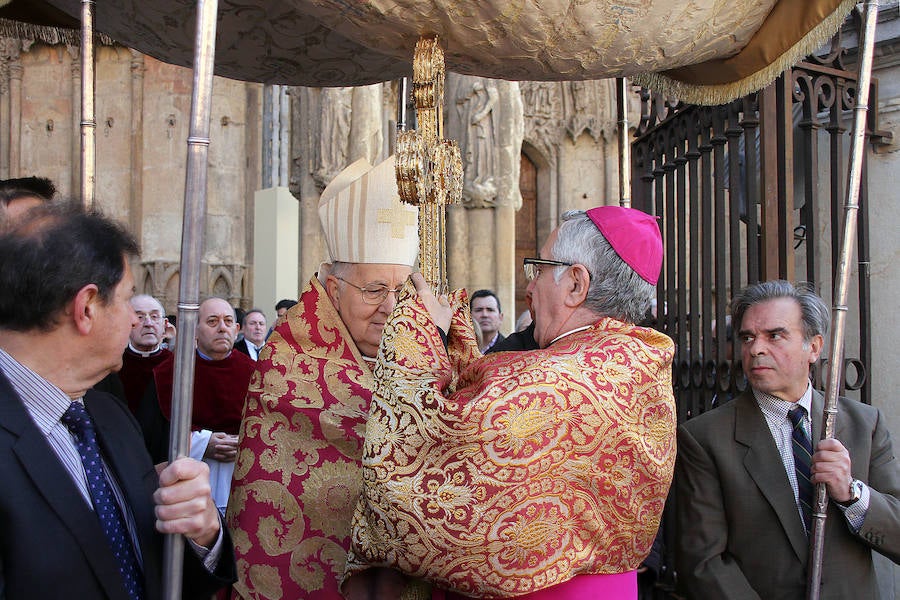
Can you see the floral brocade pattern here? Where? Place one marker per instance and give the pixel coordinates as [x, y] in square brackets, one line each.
[541, 465]
[297, 476]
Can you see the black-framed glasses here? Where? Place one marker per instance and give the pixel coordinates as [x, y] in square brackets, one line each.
[532, 266]
[373, 293]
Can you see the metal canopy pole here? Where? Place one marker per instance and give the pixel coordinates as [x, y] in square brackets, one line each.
[191, 251]
[624, 147]
[841, 282]
[88, 121]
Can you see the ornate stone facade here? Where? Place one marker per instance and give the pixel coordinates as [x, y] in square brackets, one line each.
[142, 113]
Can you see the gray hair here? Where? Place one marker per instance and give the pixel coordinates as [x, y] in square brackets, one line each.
[137, 297]
[616, 290]
[815, 314]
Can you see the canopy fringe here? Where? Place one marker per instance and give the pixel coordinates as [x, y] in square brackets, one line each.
[709, 95]
[52, 36]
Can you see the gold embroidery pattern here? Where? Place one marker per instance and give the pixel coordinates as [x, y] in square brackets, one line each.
[542, 465]
[297, 476]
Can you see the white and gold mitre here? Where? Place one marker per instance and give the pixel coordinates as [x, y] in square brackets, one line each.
[364, 220]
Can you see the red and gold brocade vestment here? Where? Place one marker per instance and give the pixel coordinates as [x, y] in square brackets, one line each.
[501, 475]
[297, 477]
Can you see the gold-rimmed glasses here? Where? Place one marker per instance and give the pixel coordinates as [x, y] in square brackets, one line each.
[373, 293]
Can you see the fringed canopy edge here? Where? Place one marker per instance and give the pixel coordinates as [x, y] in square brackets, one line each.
[48, 34]
[714, 94]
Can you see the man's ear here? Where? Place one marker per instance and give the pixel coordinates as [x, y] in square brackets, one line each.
[333, 290]
[815, 348]
[85, 307]
[578, 281]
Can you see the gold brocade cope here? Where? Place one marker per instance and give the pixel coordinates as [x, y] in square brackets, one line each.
[502, 475]
[297, 475]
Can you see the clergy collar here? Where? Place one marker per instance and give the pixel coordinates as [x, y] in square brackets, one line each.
[576, 330]
[143, 354]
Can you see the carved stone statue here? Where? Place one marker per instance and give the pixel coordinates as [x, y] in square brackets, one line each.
[332, 152]
[475, 120]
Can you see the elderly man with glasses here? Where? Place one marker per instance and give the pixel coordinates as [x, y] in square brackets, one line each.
[537, 474]
[133, 384]
[298, 472]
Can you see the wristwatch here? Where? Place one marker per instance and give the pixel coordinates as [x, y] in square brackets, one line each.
[856, 487]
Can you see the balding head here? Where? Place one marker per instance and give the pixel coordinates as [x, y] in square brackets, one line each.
[148, 333]
[216, 329]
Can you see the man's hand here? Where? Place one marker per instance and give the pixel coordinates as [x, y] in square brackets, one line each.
[438, 308]
[184, 504]
[831, 466]
[222, 447]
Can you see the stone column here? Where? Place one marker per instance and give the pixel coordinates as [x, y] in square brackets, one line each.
[457, 247]
[136, 183]
[485, 116]
[15, 117]
[509, 199]
[8, 52]
[366, 134]
[482, 244]
[74, 53]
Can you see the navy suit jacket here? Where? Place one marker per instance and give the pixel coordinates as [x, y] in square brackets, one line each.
[51, 542]
[740, 535]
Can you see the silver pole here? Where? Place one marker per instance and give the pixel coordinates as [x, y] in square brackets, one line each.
[191, 251]
[401, 104]
[88, 121]
[624, 147]
[841, 282]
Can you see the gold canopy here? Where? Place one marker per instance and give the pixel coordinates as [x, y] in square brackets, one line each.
[700, 50]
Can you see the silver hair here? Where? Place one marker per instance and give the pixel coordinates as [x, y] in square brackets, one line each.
[616, 290]
[162, 310]
[815, 314]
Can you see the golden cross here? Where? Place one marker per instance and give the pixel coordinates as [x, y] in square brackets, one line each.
[398, 218]
[429, 168]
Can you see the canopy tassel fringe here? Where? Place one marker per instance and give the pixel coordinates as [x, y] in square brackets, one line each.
[709, 95]
[52, 36]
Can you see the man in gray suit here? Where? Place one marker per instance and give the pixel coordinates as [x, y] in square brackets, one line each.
[742, 493]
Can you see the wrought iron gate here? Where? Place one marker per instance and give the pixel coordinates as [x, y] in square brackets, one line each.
[745, 192]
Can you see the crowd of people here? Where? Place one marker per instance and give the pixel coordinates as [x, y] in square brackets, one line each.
[379, 441]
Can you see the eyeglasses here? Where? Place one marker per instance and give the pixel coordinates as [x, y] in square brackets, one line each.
[374, 293]
[152, 317]
[532, 266]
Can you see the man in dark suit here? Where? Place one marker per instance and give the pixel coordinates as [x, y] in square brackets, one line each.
[485, 307]
[82, 507]
[255, 330]
[743, 480]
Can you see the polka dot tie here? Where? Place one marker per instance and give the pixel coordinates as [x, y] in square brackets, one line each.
[79, 422]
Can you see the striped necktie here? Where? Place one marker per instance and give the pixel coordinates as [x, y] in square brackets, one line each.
[802, 448]
[79, 422]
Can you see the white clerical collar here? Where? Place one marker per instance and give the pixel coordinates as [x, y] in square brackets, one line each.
[143, 354]
[576, 330]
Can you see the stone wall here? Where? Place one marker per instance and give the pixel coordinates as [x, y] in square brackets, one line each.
[142, 115]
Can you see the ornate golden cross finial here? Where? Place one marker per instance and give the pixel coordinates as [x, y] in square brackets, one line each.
[429, 168]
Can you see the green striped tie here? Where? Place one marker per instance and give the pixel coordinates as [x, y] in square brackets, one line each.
[802, 462]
